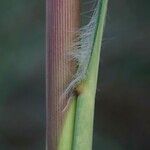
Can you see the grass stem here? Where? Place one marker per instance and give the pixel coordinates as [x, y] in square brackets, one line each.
[83, 133]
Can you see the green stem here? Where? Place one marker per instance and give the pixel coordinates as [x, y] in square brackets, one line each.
[66, 138]
[83, 132]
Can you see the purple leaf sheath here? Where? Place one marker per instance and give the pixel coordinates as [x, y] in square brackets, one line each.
[62, 20]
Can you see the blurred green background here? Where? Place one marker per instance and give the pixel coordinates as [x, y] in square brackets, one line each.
[22, 87]
[122, 112]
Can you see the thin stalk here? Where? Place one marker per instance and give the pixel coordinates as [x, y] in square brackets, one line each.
[83, 132]
[62, 17]
[66, 138]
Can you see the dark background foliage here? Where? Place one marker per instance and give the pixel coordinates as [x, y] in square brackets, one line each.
[122, 119]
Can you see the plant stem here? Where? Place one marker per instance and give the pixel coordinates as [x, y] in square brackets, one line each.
[66, 138]
[62, 17]
[86, 100]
